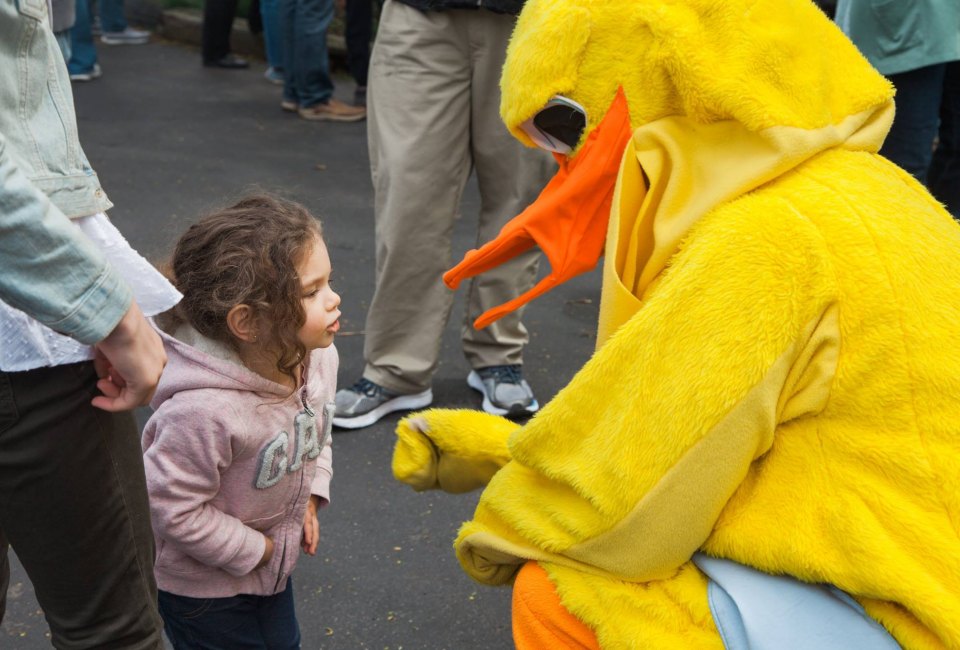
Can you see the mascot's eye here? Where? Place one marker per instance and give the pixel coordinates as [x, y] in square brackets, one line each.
[558, 125]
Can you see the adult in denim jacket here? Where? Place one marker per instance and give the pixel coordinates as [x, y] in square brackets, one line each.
[72, 495]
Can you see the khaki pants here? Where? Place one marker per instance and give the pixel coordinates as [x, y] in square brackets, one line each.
[433, 115]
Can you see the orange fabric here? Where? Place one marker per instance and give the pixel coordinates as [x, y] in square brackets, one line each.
[568, 220]
[540, 621]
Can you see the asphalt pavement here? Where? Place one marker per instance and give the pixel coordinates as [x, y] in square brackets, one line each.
[170, 140]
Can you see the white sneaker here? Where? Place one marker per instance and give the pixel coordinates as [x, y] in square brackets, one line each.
[129, 36]
[94, 73]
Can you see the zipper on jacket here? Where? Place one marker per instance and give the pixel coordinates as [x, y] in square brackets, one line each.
[281, 572]
[306, 404]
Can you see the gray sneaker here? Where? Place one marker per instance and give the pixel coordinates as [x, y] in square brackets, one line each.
[505, 391]
[366, 402]
[128, 36]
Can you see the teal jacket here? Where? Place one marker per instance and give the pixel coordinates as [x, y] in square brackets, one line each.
[901, 35]
[47, 268]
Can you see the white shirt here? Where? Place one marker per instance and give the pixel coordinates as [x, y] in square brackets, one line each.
[25, 344]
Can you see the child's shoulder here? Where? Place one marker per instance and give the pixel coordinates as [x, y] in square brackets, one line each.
[322, 367]
[324, 360]
[198, 401]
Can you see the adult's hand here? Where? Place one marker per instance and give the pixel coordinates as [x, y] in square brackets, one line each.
[128, 362]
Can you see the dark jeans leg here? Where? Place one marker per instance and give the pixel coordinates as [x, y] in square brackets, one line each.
[287, 18]
[357, 33]
[272, 39]
[112, 18]
[243, 622]
[73, 505]
[910, 141]
[218, 18]
[83, 52]
[944, 177]
[311, 63]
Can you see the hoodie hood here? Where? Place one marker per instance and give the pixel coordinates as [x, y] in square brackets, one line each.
[195, 361]
[723, 96]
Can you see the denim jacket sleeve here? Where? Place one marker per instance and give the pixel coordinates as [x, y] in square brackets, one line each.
[48, 269]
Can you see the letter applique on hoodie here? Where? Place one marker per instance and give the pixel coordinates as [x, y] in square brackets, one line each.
[275, 461]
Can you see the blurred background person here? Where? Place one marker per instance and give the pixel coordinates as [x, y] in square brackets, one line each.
[943, 176]
[916, 45]
[307, 85]
[113, 28]
[358, 32]
[63, 14]
[269, 11]
[218, 18]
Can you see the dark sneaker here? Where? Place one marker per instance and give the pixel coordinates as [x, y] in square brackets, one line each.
[505, 391]
[228, 62]
[366, 402]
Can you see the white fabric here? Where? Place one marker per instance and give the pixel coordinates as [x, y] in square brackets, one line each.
[25, 344]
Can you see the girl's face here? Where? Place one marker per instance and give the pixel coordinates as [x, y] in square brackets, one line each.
[321, 304]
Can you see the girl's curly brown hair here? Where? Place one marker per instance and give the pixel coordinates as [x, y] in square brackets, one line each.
[247, 254]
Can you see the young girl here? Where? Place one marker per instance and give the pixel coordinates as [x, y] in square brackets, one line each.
[237, 453]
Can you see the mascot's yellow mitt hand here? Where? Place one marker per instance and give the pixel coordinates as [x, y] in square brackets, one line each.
[452, 450]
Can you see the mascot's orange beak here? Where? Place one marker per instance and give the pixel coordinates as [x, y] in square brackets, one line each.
[568, 220]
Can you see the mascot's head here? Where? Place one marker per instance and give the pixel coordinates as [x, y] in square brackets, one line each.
[582, 75]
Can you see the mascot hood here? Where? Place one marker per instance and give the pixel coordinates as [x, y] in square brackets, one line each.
[688, 103]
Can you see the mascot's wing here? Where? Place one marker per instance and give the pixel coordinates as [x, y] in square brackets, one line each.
[626, 471]
[452, 450]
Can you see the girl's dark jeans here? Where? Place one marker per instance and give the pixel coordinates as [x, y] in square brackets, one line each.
[241, 622]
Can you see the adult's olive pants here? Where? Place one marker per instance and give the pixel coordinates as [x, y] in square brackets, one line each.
[73, 505]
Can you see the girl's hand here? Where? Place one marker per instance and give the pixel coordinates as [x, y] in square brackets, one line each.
[267, 553]
[311, 527]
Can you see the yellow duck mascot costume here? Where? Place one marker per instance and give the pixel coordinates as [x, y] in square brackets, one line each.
[777, 374]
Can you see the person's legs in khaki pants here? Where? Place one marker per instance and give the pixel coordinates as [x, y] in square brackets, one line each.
[419, 135]
[433, 115]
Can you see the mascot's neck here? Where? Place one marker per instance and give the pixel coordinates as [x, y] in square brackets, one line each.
[675, 171]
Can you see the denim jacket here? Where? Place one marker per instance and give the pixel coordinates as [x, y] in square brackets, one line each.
[47, 269]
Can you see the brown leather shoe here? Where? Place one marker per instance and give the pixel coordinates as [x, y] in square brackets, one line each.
[333, 111]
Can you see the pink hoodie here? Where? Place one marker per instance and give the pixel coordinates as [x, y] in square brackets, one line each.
[229, 458]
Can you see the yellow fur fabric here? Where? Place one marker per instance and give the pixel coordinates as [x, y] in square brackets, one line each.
[786, 392]
[451, 450]
[669, 613]
[762, 63]
[857, 482]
